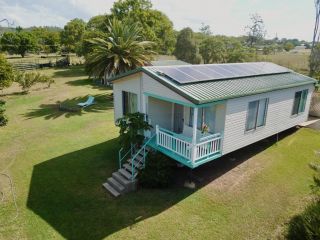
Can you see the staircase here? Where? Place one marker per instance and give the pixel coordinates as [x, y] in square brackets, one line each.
[125, 179]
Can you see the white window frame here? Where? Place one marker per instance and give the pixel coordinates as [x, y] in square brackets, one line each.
[301, 109]
[256, 117]
[126, 108]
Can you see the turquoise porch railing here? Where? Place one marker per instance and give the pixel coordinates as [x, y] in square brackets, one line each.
[183, 146]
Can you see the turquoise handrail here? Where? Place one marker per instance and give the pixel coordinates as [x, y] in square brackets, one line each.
[143, 148]
[131, 151]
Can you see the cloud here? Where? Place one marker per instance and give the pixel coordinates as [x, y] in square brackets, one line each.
[287, 18]
[56, 13]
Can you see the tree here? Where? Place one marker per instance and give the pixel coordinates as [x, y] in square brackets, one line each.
[72, 34]
[212, 50]
[10, 42]
[18, 42]
[118, 50]
[256, 31]
[205, 29]
[236, 52]
[97, 23]
[314, 60]
[48, 41]
[155, 26]
[6, 73]
[220, 49]
[186, 49]
[288, 46]
[27, 43]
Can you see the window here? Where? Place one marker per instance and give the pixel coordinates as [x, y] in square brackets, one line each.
[129, 102]
[299, 104]
[257, 113]
[205, 115]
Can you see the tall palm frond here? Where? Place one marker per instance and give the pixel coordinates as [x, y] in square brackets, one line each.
[118, 50]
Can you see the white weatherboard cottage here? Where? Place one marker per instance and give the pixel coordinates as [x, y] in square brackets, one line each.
[201, 112]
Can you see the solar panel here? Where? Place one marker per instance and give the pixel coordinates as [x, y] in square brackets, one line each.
[209, 72]
[195, 73]
[175, 74]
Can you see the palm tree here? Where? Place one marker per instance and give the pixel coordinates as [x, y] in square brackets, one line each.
[118, 50]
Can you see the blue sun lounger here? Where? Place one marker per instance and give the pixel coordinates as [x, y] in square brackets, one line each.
[87, 103]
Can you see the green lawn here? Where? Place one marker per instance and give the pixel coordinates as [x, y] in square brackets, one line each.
[58, 162]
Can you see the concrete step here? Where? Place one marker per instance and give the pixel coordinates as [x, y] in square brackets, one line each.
[116, 185]
[128, 167]
[120, 178]
[125, 173]
[137, 164]
[111, 190]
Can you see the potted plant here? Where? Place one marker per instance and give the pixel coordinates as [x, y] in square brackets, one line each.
[204, 129]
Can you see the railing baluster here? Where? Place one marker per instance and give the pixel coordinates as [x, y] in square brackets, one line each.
[174, 143]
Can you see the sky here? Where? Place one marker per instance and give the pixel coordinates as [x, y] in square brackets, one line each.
[283, 18]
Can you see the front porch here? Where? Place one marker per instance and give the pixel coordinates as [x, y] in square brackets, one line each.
[181, 149]
[178, 130]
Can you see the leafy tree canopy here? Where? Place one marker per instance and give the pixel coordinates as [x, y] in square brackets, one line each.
[186, 49]
[6, 73]
[221, 49]
[155, 25]
[18, 42]
[72, 34]
[48, 41]
[121, 48]
[288, 46]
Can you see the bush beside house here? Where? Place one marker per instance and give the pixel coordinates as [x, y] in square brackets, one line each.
[158, 172]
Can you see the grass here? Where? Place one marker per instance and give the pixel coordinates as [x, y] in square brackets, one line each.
[58, 162]
[298, 61]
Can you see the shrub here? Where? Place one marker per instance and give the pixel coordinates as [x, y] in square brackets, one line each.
[27, 79]
[132, 126]
[3, 117]
[306, 225]
[6, 73]
[158, 172]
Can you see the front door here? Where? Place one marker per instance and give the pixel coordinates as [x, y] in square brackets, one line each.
[178, 118]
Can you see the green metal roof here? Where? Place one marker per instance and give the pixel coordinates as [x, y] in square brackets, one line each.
[216, 90]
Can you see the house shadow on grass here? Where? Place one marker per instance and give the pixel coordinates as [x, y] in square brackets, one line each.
[67, 193]
[213, 170]
[69, 108]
